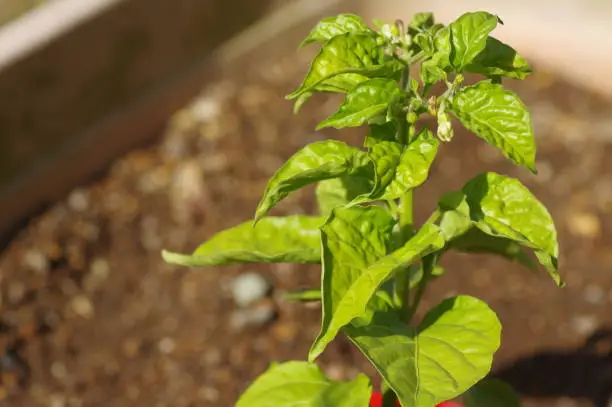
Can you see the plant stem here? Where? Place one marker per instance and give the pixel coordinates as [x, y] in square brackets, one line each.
[429, 263]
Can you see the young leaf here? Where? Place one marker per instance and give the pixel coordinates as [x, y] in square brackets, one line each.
[500, 118]
[304, 295]
[300, 383]
[368, 100]
[491, 393]
[450, 351]
[352, 239]
[476, 241]
[400, 168]
[341, 191]
[499, 59]
[439, 50]
[315, 162]
[344, 62]
[420, 22]
[469, 35]
[503, 207]
[273, 239]
[331, 27]
[351, 271]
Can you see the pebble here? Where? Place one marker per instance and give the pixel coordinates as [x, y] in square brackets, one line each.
[166, 345]
[36, 261]
[78, 200]
[188, 195]
[584, 324]
[584, 224]
[99, 270]
[256, 316]
[82, 306]
[594, 294]
[249, 288]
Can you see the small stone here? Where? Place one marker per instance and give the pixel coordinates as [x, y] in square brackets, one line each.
[256, 316]
[36, 261]
[594, 294]
[205, 109]
[57, 400]
[59, 371]
[335, 372]
[584, 324]
[249, 288]
[131, 347]
[82, 306]
[584, 224]
[188, 195]
[78, 200]
[166, 345]
[211, 358]
[209, 394]
[99, 270]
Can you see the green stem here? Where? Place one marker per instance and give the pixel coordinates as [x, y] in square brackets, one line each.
[429, 263]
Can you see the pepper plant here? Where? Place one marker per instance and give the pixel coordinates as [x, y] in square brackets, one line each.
[375, 262]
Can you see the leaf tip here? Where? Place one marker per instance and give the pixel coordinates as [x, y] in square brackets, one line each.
[174, 258]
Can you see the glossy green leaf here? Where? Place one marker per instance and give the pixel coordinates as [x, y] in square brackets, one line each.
[333, 26]
[499, 59]
[439, 49]
[315, 162]
[400, 168]
[368, 100]
[450, 351]
[455, 219]
[491, 393]
[344, 62]
[352, 239]
[503, 207]
[469, 35]
[291, 239]
[476, 241]
[353, 266]
[499, 117]
[304, 295]
[341, 191]
[420, 22]
[303, 384]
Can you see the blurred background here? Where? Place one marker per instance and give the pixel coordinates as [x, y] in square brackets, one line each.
[128, 126]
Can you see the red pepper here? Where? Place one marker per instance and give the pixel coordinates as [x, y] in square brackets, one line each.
[377, 398]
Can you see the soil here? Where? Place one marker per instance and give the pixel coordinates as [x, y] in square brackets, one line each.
[91, 316]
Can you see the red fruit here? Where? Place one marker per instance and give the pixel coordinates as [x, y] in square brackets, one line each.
[377, 398]
[449, 404]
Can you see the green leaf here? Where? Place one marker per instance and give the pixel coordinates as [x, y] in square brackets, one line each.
[448, 353]
[367, 101]
[476, 241]
[341, 191]
[304, 295]
[469, 35]
[331, 27]
[353, 266]
[291, 239]
[499, 117]
[352, 239]
[501, 206]
[455, 219]
[499, 59]
[313, 163]
[491, 393]
[439, 49]
[344, 62]
[300, 383]
[398, 167]
[420, 22]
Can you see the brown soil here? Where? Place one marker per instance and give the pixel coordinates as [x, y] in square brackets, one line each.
[91, 316]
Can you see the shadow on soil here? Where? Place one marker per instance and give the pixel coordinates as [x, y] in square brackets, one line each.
[583, 373]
